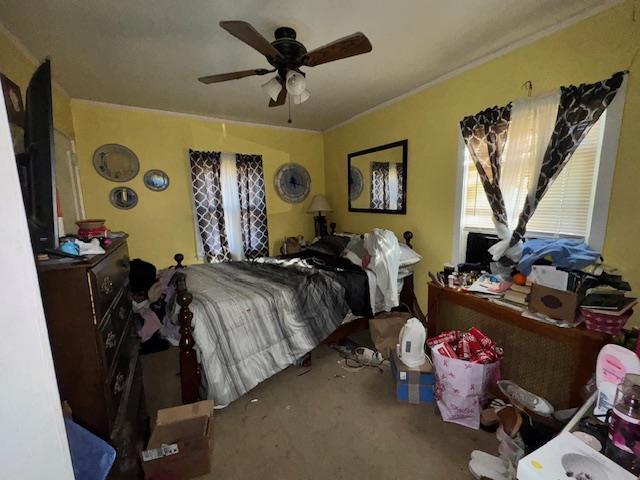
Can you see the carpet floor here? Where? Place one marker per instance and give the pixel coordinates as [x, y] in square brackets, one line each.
[329, 422]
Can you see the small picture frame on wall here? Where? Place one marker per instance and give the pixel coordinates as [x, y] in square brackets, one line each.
[15, 112]
[13, 101]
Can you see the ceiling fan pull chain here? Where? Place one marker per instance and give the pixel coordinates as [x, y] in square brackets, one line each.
[289, 102]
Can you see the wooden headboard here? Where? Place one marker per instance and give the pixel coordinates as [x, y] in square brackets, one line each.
[408, 234]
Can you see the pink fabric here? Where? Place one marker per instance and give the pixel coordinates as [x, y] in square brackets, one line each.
[151, 323]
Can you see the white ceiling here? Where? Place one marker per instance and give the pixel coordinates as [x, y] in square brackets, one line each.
[150, 53]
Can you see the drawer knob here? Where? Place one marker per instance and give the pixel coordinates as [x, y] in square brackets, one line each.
[118, 386]
[107, 285]
[110, 342]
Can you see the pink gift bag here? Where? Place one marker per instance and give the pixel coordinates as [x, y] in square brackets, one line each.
[462, 388]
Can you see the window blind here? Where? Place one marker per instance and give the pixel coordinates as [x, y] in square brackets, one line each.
[566, 207]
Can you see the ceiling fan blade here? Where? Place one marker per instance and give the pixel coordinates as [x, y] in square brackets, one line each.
[282, 98]
[249, 35]
[223, 77]
[349, 46]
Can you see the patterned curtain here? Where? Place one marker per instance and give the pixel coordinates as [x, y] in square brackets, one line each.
[400, 173]
[485, 135]
[207, 197]
[253, 206]
[380, 185]
[579, 109]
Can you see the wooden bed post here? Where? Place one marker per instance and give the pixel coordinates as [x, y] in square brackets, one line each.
[189, 371]
[408, 236]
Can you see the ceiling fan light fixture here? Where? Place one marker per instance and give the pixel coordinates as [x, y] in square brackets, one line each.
[295, 83]
[272, 88]
[303, 97]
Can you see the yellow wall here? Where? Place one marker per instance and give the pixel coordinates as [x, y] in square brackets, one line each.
[589, 51]
[19, 66]
[162, 222]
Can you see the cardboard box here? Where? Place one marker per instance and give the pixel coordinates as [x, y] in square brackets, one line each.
[181, 442]
[558, 304]
[413, 385]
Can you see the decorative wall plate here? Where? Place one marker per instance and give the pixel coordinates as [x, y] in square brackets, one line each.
[156, 180]
[116, 162]
[356, 183]
[292, 182]
[124, 198]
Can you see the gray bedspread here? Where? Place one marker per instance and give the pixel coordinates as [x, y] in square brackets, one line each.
[252, 320]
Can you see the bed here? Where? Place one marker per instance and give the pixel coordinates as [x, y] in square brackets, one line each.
[261, 316]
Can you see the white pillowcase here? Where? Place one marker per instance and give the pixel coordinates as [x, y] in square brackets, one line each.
[352, 257]
[408, 256]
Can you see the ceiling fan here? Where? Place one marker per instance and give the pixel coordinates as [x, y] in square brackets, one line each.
[286, 55]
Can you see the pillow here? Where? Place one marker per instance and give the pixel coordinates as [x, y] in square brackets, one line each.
[330, 245]
[352, 257]
[356, 245]
[408, 256]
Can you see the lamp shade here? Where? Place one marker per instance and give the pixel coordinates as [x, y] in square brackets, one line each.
[296, 84]
[319, 204]
[272, 88]
[303, 97]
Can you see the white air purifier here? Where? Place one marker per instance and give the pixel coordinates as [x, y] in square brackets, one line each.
[411, 343]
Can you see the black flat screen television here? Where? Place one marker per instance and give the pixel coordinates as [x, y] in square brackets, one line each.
[36, 167]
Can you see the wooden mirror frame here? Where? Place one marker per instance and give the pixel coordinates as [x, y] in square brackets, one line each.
[402, 143]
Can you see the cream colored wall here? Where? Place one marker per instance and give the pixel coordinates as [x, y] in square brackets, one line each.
[162, 222]
[589, 51]
[18, 65]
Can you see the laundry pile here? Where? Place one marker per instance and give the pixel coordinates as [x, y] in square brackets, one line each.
[473, 346]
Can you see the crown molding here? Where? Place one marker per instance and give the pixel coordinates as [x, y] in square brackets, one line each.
[194, 116]
[529, 39]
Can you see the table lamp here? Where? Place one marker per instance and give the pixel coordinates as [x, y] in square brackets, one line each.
[320, 205]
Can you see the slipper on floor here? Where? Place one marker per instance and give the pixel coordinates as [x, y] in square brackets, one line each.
[368, 357]
[530, 401]
[483, 465]
[489, 420]
[511, 420]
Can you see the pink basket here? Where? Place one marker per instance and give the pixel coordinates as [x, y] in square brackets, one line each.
[601, 322]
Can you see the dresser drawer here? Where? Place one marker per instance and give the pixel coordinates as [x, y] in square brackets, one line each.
[108, 278]
[113, 325]
[121, 375]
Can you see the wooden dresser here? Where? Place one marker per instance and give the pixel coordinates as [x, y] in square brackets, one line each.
[95, 349]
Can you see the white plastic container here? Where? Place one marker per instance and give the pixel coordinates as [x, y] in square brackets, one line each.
[411, 343]
[614, 362]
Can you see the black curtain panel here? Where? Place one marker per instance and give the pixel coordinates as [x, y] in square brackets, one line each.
[579, 109]
[253, 206]
[380, 185]
[400, 173]
[207, 196]
[485, 135]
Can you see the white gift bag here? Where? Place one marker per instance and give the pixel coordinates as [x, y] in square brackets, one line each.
[462, 388]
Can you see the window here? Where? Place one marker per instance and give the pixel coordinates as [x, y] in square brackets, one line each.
[229, 202]
[566, 207]
[576, 204]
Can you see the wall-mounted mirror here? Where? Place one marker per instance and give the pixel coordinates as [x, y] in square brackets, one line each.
[378, 179]
[123, 198]
[116, 162]
[156, 180]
